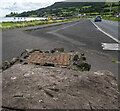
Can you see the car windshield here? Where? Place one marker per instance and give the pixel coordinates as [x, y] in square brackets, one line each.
[98, 17]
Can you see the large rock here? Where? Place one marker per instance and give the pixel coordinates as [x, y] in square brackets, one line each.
[40, 87]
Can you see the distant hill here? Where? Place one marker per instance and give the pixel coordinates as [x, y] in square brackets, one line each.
[68, 9]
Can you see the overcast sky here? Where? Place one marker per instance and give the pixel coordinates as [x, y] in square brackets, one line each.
[7, 6]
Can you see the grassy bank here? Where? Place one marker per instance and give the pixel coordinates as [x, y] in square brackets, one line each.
[112, 18]
[12, 25]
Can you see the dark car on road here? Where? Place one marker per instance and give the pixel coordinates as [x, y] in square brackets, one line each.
[98, 19]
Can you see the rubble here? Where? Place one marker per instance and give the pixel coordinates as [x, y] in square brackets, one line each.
[6, 65]
[55, 58]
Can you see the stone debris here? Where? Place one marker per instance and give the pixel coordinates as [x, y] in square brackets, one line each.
[6, 65]
[49, 64]
[13, 78]
[18, 95]
[40, 101]
[75, 58]
[49, 93]
[59, 49]
[14, 60]
[26, 75]
[54, 58]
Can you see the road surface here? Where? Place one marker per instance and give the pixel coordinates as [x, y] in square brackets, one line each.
[110, 27]
[79, 36]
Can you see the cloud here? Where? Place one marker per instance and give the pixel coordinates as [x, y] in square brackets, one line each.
[7, 6]
[91, 0]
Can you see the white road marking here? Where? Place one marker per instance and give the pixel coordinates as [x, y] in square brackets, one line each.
[54, 32]
[111, 46]
[106, 33]
[65, 27]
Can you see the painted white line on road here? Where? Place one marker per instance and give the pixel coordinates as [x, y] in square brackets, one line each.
[54, 32]
[65, 27]
[111, 46]
[106, 33]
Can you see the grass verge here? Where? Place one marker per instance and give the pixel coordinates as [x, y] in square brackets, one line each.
[12, 25]
[112, 18]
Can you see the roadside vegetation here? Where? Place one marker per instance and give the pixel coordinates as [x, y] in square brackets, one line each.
[67, 10]
[112, 18]
[74, 9]
[20, 24]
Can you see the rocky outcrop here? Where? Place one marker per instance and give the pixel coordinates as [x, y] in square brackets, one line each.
[39, 87]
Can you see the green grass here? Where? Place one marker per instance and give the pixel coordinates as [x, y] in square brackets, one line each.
[114, 60]
[86, 6]
[33, 16]
[12, 25]
[112, 18]
[77, 69]
[65, 12]
[113, 8]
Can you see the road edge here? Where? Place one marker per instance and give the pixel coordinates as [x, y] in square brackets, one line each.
[105, 32]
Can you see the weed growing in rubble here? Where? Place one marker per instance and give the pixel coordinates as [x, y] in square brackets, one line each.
[114, 60]
[77, 69]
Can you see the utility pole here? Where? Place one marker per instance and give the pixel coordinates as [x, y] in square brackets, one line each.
[110, 7]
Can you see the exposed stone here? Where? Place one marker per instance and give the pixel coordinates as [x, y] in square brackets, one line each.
[47, 52]
[32, 50]
[52, 51]
[49, 93]
[18, 95]
[59, 49]
[49, 64]
[72, 51]
[84, 66]
[21, 60]
[6, 65]
[82, 54]
[82, 57]
[75, 58]
[14, 60]
[29, 50]
[67, 89]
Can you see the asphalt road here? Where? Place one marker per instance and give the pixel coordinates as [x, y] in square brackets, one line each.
[79, 36]
[110, 27]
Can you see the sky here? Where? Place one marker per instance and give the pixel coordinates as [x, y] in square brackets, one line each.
[8, 6]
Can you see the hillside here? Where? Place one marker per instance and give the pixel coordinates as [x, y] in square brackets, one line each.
[70, 9]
